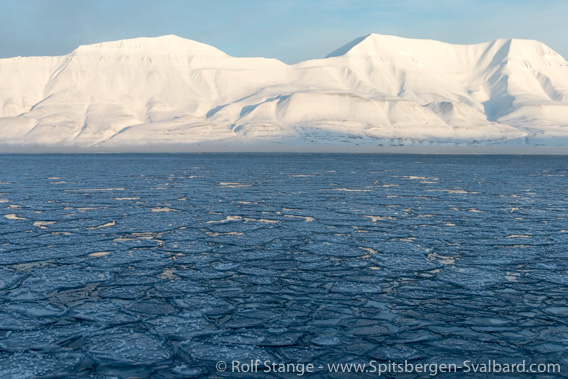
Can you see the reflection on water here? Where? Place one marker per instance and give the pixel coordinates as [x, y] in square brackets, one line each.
[162, 265]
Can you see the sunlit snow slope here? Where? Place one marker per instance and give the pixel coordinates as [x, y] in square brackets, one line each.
[375, 91]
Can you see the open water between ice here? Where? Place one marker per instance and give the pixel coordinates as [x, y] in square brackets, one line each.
[163, 265]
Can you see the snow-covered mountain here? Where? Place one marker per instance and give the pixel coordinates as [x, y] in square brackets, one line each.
[376, 91]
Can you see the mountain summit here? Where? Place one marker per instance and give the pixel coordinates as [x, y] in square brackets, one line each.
[158, 45]
[375, 91]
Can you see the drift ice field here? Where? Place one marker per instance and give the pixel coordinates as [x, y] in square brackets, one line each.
[164, 265]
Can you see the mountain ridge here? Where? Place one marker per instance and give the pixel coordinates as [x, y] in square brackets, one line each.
[374, 91]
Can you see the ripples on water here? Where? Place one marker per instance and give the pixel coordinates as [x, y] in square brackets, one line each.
[137, 265]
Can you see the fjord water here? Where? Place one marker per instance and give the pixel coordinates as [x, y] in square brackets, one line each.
[163, 265]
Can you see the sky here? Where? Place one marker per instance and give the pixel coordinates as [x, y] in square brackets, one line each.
[289, 30]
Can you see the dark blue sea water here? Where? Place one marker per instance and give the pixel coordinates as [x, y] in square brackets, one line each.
[164, 265]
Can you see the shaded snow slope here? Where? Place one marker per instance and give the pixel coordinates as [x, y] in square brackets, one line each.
[377, 90]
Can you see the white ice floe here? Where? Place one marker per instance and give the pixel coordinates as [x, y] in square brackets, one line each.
[12, 216]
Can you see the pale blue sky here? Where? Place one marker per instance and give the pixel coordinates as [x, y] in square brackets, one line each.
[290, 30]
